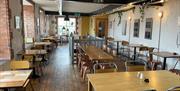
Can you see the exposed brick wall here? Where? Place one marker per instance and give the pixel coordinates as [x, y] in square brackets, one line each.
[4, 31]
[29, 21]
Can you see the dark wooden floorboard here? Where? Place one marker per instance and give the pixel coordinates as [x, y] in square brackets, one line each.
[60, 74]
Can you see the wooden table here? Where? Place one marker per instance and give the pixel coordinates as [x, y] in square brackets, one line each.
[97, 54]
[34, 53]
[135, 46]
[14, 79]
[42, 43]
[49, 38]
[128, 81]
[165, 55]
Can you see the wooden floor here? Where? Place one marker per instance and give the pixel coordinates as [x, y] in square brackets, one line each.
[61, 75]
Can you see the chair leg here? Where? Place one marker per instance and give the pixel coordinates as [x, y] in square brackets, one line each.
[31, 86]
[41, 70]
[154, 66]
[84, 73]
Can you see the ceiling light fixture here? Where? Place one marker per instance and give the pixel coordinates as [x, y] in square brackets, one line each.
[66, 18]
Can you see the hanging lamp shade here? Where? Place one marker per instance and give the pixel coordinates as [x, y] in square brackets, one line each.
[66, 18]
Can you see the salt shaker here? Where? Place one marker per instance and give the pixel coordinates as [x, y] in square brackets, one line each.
[138, 74]
[141, 76]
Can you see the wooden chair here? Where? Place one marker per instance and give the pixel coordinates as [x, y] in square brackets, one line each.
[135, 66]
[105, 67]
[153, 63]
[143, 53]
[38, 62]
[86, 65]
[104, 47]
[174, 70]
[21, 65]
[109, 50]
[124, 49]
[175, 88]
[114, 53]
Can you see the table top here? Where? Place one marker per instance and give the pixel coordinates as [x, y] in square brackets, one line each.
[95, 53]
[42, 43]
[10, 79]
[135, 45]
[165, 54]
[128, 81]
[33, 52]
[49, 38]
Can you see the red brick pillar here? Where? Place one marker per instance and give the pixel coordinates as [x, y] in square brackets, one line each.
[4, 31]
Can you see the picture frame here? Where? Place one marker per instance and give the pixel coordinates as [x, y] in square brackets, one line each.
[17, 22]
[136, 28]
[148, 28]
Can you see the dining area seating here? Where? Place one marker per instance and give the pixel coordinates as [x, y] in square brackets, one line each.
[144, 69]
[30, 65]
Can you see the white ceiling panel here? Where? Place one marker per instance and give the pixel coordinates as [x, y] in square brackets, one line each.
[26, 3]
[69, 6]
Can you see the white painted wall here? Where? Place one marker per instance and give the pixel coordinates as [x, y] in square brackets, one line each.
[169, 32]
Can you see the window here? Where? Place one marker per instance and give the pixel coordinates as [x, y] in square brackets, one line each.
[136, 27]
[148, 28]
[66, 27]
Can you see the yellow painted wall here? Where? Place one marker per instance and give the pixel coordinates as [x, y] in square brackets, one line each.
[85, 20]
[92, 26]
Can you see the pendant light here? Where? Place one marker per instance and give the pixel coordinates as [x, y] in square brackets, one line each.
[66, 18]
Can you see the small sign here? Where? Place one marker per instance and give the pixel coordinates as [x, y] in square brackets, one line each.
[17, 20]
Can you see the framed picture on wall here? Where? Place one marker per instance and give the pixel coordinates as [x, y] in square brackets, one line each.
[136, 27]
[124, 27]
[148, 28]
[17, 22]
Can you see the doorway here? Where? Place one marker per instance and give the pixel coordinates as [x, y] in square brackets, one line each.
[66, 27]
[101, 27]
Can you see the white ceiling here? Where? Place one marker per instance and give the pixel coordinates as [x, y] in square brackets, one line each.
[70, 6]
[26, 2]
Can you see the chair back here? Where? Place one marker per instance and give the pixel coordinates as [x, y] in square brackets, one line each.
[19, 65]
[125, 43]
[110, 67]
[135, 66]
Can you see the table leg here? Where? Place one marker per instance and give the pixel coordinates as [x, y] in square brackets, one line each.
[34, 75]
[117, 48]
[164, 64]
[89, 86]
[44, 59]
[134, 54]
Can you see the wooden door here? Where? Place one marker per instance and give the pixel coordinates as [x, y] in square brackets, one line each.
[101, 27]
